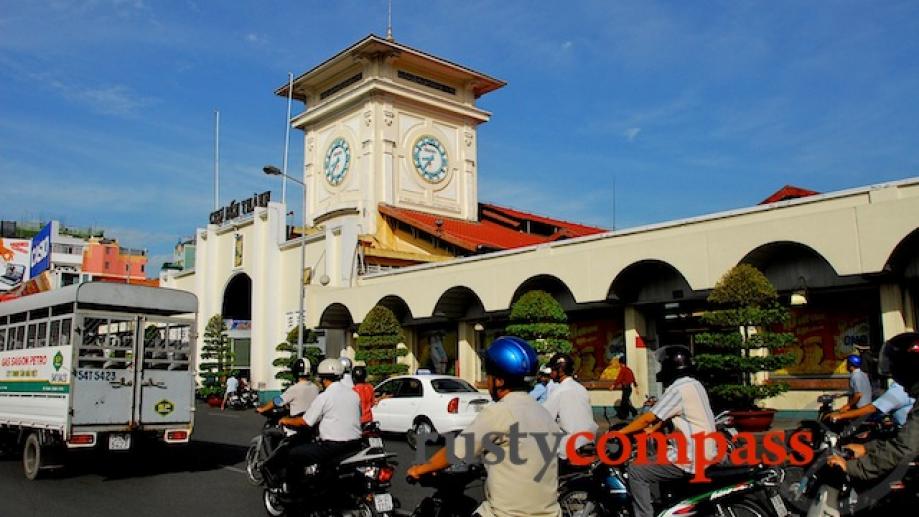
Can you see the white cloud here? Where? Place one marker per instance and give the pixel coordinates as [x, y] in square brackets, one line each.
[631, 133]
[567, 45]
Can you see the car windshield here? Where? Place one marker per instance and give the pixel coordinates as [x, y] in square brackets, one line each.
[452, 386]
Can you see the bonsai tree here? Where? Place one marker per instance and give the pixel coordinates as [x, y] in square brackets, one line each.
[287, 354]
[741, 341]
[378, 337]
[538, 318]
[216, 357]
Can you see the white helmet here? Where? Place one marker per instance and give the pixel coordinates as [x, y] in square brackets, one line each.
[330, 368]
[345, 364]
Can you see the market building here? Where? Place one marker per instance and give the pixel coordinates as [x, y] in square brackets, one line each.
[394, 218]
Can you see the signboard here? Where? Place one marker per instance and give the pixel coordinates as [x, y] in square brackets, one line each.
[824, 337]
[238, 251]
[44, 370]
[41, 252]
[15, 261]
[239, 208]
[596, 346]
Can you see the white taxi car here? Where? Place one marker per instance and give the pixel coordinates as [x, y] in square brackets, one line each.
[415, 404]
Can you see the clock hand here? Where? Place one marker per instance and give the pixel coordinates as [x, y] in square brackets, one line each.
[428, 160]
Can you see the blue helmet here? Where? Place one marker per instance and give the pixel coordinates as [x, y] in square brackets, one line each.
[510, 358]
[854, 360]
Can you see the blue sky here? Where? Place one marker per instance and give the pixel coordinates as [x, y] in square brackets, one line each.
[106, 106]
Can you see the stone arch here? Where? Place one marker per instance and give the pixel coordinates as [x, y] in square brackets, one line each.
[791, 265]
[335, 316]
[903, 261]
[649, 281]
[398, 306]
[459, 303]
[237, 298]
[549, 283]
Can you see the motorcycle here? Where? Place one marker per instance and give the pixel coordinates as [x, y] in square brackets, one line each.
[243, 399]
[355, 483]
[602, 490]
[449, 498]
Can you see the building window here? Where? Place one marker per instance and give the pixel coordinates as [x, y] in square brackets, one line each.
[142, 268]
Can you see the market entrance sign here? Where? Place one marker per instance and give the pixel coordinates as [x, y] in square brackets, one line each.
[240, 208]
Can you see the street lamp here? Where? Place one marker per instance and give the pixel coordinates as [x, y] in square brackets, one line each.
[271, 170]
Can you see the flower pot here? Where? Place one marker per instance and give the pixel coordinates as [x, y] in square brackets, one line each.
[753, 420]
[214, 400]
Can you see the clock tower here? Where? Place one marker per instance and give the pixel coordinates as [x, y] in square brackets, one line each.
[388, 124]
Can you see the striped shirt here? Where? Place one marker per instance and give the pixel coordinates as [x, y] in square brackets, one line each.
[686, 404]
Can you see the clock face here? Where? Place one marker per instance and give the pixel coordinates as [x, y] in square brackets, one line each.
[430, 159]
[337, 161]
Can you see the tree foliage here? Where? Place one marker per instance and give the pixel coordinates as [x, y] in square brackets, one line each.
[287, 354]
[216, 357]
[740, 341]
[377, 344]
[538, 318]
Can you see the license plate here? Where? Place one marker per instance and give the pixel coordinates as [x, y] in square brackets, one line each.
[376, 443]
[383, 502]
[779, 505]
[119, 442]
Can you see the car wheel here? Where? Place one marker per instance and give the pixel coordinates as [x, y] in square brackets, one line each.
[420, 428]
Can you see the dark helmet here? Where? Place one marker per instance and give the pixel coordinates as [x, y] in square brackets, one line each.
[562, 361]
[359, 373]
[676, 362]
[854, 360]
[300, 368]
[900, 359]
[511, 359]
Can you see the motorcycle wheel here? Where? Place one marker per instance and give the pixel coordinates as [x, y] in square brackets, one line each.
[253, 474]
[743, 509]
[273, 504]
[577, 503]
[420, 427]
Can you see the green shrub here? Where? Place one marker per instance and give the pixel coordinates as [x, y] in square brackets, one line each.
[377, 344]
[216, 357]
[287, 351]
[538, 318]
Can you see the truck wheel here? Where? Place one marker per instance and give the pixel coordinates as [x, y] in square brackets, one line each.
[32, 457]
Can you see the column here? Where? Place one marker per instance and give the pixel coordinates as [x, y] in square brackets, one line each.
[896, 310]
[635, 352]
[468, 358]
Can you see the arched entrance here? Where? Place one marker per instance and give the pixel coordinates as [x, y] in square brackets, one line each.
[236, 311]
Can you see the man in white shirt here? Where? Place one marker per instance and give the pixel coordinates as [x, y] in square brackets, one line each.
[300, 395]
[569, 404]
[685, 403]
[232, 386]
[336, 412]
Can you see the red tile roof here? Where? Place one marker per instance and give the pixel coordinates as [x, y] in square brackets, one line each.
[788, 192]
[499, 230]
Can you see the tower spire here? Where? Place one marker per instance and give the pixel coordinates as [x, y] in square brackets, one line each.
[389, 23]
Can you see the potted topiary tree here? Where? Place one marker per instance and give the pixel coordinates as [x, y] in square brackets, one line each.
[538, 318]
[287, 354]
[377, 344]
[740, 345]
[216, 361]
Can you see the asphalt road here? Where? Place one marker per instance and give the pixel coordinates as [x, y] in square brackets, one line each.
[205, 478]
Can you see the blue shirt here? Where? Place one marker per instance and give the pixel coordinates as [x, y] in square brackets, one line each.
[859, 383]
[539, 392]
[895, 400]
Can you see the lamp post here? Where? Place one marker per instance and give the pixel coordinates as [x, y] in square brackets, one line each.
[271, 170]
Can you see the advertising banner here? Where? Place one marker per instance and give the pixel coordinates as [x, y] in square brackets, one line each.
[824, 339]
[41, 252]
[15, 260]
[43, 370]
[596, 346]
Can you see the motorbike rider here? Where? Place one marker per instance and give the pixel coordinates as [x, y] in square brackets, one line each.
[540, 392]
[365, 392]
[569, 404]
[685, 403]
[894, 401]
[512, 488]
[346, 366]
[336, 412]
[899, 360]
[859, 384]
[300, 395]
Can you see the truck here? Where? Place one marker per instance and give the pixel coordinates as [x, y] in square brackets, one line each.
[95, 366]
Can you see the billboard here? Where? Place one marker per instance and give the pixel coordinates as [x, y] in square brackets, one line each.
[41, 252]
[14, 263]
